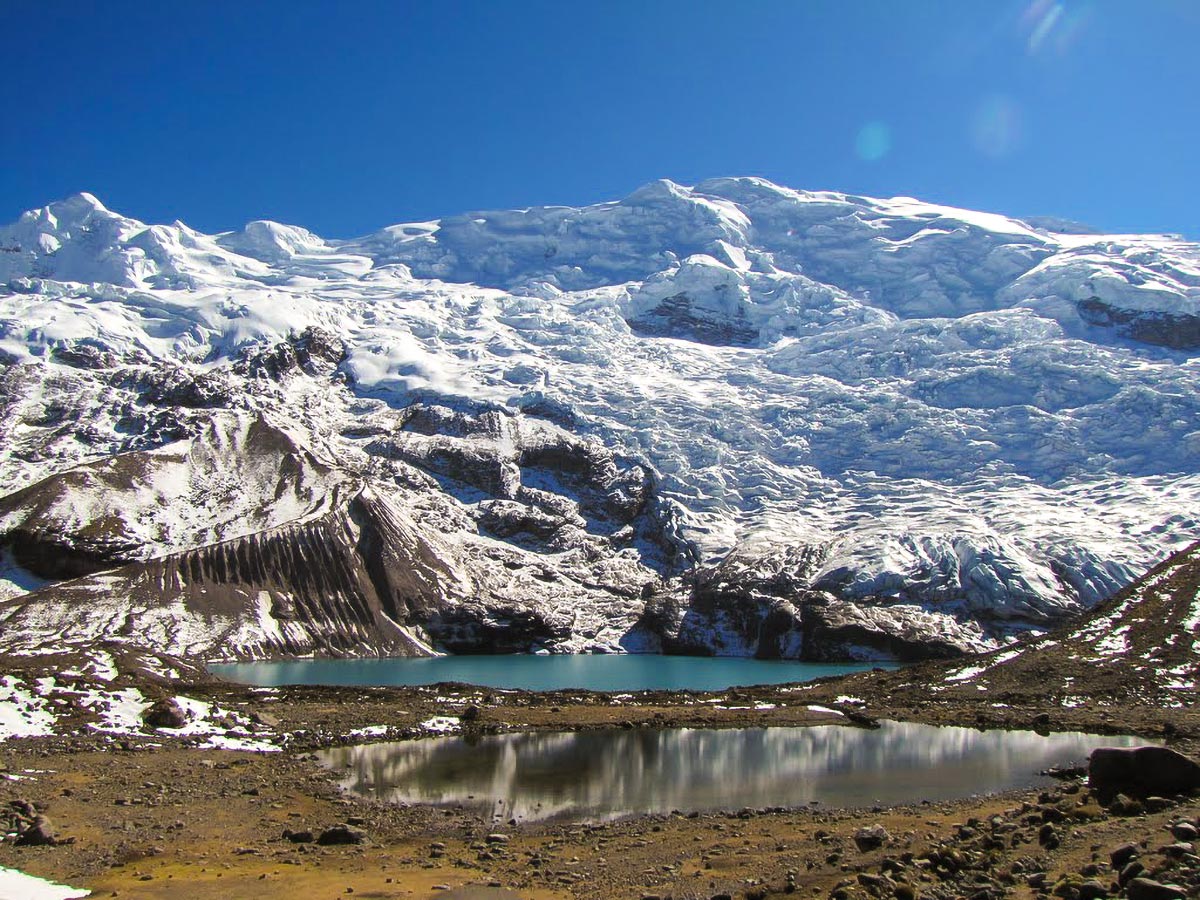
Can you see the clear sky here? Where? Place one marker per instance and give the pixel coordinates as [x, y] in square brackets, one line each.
[346, 116]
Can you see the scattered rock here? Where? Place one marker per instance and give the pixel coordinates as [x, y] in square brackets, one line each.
[264, 718]
[298, 837]
[1048, 836]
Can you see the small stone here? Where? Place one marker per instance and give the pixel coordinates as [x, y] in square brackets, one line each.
[1178, 850]
[1184, 831]
[497, 838]
[1130, 871]
[1125, 806]
[1048, 836]
[1122, 855]
[1092, 890]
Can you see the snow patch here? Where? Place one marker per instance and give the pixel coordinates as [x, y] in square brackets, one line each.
[16, 885]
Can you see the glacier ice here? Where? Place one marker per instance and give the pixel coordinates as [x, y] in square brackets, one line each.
[961, 423]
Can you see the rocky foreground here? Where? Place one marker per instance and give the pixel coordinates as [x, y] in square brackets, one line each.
[159, 816]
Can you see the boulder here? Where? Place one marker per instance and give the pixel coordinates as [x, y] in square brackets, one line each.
[871, 838]
[340, 834]
[1149, 889]
[1121, 855]
[1141, 771]
[39, 833]
[165, 713]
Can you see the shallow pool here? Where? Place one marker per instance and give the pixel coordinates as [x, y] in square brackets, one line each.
[596, 775]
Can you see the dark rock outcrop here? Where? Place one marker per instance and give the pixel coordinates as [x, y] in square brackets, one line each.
[1177, 332]
[340, 834]
[165, 713]
[1141, 771]
[38, 833]
[676, 317]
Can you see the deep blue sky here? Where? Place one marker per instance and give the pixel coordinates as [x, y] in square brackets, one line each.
[346, 116]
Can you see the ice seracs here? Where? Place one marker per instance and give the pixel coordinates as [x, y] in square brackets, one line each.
[731, 418]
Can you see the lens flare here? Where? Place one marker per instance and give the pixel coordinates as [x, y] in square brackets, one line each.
[1053, 26]
[997, 128]
[873, 141]
[1042, 17]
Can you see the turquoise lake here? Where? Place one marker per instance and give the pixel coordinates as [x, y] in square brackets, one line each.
[541, 673]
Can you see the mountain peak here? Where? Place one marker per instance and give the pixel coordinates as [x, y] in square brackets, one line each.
[83, 200]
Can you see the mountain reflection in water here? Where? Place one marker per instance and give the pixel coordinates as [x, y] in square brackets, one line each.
[594, 775]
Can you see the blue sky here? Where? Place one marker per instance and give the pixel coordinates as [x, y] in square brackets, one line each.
[343, 117]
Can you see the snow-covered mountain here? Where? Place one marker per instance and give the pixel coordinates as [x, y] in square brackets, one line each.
[730, 418]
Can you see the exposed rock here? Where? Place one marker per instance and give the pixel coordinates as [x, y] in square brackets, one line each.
[1120, 856]
[1149, 889]
[165, 713]
[1185, 831]
[340, 834]
[38, 833]
[1179, 332]
[1141, 771]
[871, 837]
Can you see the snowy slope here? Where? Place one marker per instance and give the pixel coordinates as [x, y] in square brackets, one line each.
[770, 421]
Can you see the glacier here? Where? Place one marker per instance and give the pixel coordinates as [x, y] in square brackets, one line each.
[732, 418]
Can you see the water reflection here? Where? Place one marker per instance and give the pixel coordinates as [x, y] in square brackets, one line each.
[604, 774]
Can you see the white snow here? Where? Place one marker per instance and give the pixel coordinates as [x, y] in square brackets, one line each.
[441, 724]
[120, 711]
[825, 709]
[368, 731]
[914, 390]
[966, 673]
[16, 885]
[22, 712]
